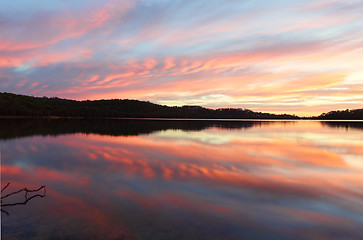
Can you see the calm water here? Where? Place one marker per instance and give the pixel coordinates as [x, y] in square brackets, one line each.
[139, 179]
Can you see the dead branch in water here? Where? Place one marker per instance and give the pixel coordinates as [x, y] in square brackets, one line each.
[26, 200]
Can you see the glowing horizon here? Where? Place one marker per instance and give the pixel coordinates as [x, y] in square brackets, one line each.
[300, 58]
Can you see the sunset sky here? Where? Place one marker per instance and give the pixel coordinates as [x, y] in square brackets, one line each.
[303, 57]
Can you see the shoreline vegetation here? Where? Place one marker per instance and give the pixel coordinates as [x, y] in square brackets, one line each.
[22, 106]
[24, 127]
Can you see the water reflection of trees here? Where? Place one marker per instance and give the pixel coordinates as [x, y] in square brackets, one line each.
[346, 125]
[38, 193]
[13, 128]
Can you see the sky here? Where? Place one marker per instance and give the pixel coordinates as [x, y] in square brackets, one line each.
[301, 57]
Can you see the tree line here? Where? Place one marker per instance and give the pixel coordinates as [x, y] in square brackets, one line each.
[21, 105]
[355, 114]
[29, 106]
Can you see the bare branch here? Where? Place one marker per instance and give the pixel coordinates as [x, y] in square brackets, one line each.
[23, 203]
[5, 187]
[2, 210]
[23, 189]
[26, 196]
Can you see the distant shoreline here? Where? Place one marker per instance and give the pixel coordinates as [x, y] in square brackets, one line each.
[186, 119]
[22, 106]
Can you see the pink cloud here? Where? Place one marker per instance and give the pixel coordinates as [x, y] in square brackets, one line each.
[169, 63]
[51, 30]
[150, 63]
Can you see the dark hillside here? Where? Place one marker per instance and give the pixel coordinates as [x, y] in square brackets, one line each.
[20, 105]
[355, 114]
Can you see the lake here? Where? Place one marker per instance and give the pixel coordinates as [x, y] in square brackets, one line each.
[181, 179]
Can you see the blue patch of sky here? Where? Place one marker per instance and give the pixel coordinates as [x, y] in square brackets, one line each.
[24, 68]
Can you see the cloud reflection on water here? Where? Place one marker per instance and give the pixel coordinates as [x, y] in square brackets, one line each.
[275, 181]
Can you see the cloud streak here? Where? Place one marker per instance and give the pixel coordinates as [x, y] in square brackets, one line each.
[262, 52]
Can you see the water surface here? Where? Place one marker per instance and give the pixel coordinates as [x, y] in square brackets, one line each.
[158, 179]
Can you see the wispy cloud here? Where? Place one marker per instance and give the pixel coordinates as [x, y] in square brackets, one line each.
[171, 51]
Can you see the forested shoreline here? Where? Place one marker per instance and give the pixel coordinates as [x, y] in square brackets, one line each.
[29, 106]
